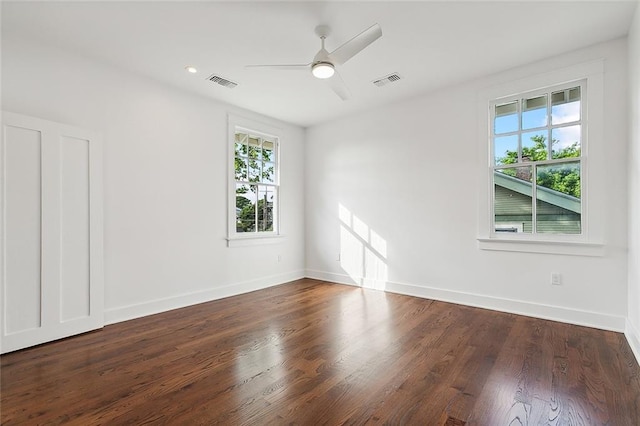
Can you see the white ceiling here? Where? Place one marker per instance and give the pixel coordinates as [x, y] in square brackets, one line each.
[430, 44]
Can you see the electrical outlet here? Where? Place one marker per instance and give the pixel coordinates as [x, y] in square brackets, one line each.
[338, 258]
[279, 258]
[556, 278]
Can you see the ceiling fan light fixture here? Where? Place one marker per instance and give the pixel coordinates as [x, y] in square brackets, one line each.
[323, 70]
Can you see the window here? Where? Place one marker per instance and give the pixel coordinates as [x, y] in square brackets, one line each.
[254, 188]
[543, 196]
[537, 166]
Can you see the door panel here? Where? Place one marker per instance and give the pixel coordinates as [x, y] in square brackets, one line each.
[52, 227]
[74, 229]
[23, 286]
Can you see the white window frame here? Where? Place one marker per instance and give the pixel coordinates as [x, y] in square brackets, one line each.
[547, 91]
[263, 130]
[590, 241]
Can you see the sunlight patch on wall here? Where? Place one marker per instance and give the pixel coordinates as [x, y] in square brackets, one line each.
[351, 254]
[363, 252]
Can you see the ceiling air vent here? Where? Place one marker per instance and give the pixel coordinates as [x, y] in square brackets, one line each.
[222, 81]
[387, 79]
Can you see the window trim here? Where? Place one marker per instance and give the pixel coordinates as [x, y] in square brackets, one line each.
[239, 239]
[590, 241]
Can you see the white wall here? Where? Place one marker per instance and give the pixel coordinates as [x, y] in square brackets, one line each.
[401, 176]
[397, 186]
[165, 180]
[633, 325]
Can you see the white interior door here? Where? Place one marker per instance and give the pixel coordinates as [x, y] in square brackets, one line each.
[51, 252]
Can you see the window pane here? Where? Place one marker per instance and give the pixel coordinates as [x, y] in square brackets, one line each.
[513, 211]
[566, 142]
[565, 106]
[268, 172]
[245, 208]
[265, 208]
[558, 204]
[268, 151]
[506, 118]
[534, 146]
[255, 151]
[241, 168]
[505, 149]
[534, 112]
[562, 178]
[254, 170]
[241, 144]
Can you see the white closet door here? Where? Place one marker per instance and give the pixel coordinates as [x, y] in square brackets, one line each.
[51, 250]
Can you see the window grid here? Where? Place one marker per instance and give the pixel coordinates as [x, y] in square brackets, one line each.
[547, 130]
[256, 172]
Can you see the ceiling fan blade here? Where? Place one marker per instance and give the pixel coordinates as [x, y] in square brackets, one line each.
[348, 50]
[291, 67]
[339, 87]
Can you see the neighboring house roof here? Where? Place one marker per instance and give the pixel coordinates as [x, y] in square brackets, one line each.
[547, 195]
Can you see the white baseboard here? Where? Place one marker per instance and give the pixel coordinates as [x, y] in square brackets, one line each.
[125, 313]
[548, 312]
[633, 337]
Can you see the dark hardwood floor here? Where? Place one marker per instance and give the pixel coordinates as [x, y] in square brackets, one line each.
[310, 352]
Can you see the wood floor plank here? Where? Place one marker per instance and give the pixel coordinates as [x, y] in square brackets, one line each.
[311, 352]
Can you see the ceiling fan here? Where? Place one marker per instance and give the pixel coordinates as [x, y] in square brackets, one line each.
[324, 63]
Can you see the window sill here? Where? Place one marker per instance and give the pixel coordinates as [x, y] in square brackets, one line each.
[571, 248]
[254, 240]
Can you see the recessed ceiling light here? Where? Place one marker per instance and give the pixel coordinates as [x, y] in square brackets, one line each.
[191, 69]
